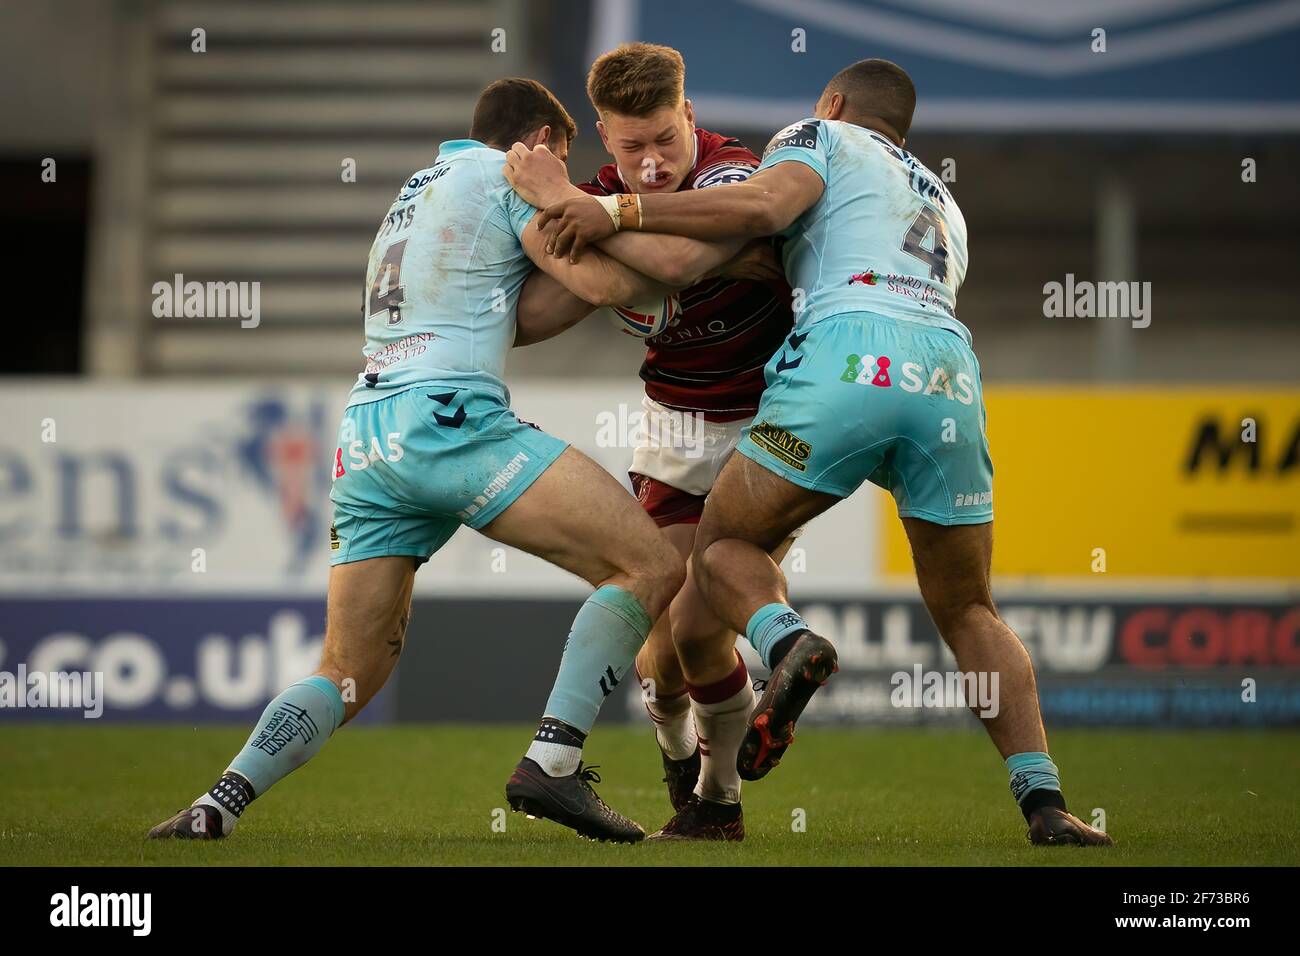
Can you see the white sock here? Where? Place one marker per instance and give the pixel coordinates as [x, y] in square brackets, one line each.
[556, 748]
[722, 724]
[674, 726]
[229, 798]
[228, 819]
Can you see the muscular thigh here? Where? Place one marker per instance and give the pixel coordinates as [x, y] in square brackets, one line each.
[753, 504]
[576, 516]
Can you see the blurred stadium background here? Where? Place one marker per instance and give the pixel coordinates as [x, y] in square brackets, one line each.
[163, 481]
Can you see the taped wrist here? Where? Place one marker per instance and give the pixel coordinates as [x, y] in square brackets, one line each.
[629, 207]
[610, 205]
[624, 210]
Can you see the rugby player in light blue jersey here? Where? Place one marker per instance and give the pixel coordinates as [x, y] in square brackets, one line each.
[877, 382]
[428, 442]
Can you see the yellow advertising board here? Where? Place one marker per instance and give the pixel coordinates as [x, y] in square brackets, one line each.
[1140, 481]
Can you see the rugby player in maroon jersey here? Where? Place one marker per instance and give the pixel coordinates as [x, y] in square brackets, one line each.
[703, 377]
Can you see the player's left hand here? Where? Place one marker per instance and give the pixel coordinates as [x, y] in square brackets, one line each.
[573, 224]
[538, 175]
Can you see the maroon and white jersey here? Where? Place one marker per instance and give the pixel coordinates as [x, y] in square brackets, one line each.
[711, 358]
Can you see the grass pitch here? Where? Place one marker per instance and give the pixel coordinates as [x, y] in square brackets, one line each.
[429, 795]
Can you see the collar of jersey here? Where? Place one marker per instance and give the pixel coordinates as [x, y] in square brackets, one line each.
[456, 145]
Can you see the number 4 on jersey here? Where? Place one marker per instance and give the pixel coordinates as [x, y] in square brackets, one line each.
[927, 240]
[387, 294]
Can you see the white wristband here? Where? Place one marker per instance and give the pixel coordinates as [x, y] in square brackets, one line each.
[610, 204]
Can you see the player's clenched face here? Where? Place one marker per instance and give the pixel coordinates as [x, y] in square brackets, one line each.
[654, 153]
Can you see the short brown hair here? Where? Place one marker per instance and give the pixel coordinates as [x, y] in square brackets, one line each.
[510, 109]
[877, 88]
[636, 79]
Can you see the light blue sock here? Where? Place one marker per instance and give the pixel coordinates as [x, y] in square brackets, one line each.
[769, 625]
[1032, 771]
[291, 731]
[602, 645]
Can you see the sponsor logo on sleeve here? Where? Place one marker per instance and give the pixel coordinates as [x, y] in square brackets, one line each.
[803, 133]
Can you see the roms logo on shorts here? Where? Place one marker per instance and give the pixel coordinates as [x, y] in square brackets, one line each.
[782, 444]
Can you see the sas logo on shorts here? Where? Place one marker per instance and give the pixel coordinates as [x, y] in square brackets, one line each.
[973, 499]
[778, 442]
[866, 370]
[334, 538]
[360, 459]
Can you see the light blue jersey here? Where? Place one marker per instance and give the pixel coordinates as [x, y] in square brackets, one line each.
[878, 381]
[428, 441]
[885, 237]
[443, 278]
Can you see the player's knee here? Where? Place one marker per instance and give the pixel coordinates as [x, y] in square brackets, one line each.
[660, 575]
[706, 562]
[955, 618]
[672, 573]
[705, 534]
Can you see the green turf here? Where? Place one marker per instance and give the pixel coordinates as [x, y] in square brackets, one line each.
[420, 795]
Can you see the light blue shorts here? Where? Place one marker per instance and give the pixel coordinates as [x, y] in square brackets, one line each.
[859, 397]
[411, 468]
